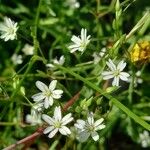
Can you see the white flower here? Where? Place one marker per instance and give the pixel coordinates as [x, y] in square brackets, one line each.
[38, 106]
[56, 61]
[16, 59]
[80, 44]
[28, 49]
[99, 56]
[8, 29]
[57, 123]
[89, 127]
[144, 139]
[115, 72]
[47, 94]
[72, 4]
[137, 78]
[34, 118]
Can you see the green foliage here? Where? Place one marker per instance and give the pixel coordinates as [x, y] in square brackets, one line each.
[48, 26]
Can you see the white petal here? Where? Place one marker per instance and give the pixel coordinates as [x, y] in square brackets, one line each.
[76, 39]
[83, 136]
[62, 60]
[51, 101]
[98, 122]
[107, 75]
[28, 118]
[40, 85]
[66, 119]
[102, 126]
[73, 50]
[52, 85]
[80, 124]
[111, 65]
[124, 76]
[115, 81]
[48, 129]
[90, 118]
[64, 130]
[73, 46]
[121, 65]
[83, 34]
[47, 119]
[38, 97]
[52, 134]
[50, 65]
[57, 113]
[46, 103]
[95, 136]
[58, 92]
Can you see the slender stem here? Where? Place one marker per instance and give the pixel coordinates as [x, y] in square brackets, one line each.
[71, 102]
[26, 140]
[35, 41]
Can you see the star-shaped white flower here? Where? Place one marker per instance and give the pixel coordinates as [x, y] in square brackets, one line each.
[28, 49]
[88, 128]
[57, 123]
[34, 118]
[99, 56]
[116, 72]
[144, 139]
[16, 59]
[47, 94]
[8, 29]
[80, 44]
[59, 61]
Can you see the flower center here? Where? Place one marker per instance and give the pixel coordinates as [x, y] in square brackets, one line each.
[47, 93]
[11, 31]
[57, 124]
[90, 128]
[116, 73]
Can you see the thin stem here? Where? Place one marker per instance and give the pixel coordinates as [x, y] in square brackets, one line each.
[35, 41]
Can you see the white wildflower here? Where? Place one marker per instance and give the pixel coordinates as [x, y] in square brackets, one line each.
[80, 44]
[144, 139]
[8, 29]
[16, 59]
[28, 49]
[99, 56]
[137, 79]
[72, 4]
[47, 94]
[116, 72]
[34, 118]
[59, 61]
[88, 128]
[57, 123]
[38, 106]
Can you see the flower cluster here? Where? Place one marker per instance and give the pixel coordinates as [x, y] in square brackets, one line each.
[48, 94]
[144, 139]
[57, 123]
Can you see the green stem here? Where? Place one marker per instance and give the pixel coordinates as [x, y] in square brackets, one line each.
[35, 41]
[108, 96]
